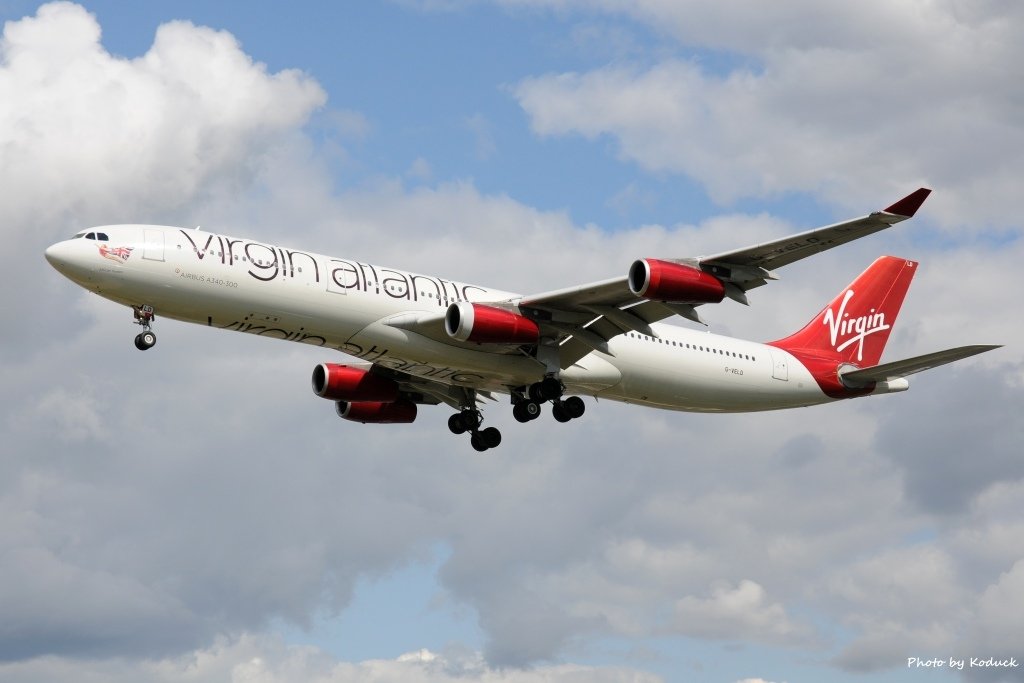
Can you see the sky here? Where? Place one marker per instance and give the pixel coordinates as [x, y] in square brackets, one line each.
[195, 513]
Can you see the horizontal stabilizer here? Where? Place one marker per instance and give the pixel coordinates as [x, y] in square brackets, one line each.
[901, 368]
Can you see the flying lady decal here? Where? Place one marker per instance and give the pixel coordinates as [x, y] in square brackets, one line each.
[119, 254]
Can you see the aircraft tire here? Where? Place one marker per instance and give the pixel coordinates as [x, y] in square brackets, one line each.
[456, 425]
[551, 388]
[524, 411]
[574, 406]
[145, 341]
[490, 437]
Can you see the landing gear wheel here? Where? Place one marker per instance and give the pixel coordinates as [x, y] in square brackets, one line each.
[490, 437]
[144, 316]
[145, 340]
[569, 409]
[574, 407]
[551, 388]
[485, 439]
[456, 425]
[471, 419]
[548, 389]
[525, 411]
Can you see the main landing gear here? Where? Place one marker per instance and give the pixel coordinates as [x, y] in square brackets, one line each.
[144, 316]
[469, 420]
[526, 406]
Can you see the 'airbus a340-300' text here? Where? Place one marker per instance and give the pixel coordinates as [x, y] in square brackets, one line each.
[421, 340]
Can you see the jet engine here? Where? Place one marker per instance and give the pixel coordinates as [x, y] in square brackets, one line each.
[488, 325]
[345, 383]
[377, 412]
[674, 283]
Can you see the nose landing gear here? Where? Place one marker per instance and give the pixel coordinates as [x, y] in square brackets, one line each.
[144, 316]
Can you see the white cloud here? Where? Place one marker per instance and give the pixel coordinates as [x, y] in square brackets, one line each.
[847, 103]
[89, 137]
[256, 659]
[86, 133]
[207, 492]
[1000, 621]
[740, 612]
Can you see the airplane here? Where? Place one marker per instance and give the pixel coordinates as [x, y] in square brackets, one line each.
[423, 340]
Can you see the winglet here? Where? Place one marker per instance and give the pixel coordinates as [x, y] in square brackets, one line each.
[909, 205]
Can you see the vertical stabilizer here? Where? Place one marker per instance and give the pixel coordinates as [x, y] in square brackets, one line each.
[856, 325]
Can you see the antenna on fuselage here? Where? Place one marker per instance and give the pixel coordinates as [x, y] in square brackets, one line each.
[197, 227]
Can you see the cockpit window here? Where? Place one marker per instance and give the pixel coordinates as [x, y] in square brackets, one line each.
[78, 236]
[102, 236]
[91, 236]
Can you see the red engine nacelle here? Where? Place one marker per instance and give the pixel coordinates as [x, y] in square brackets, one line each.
[377, 412]
[488, 325]
[344, 383]
[674, 283]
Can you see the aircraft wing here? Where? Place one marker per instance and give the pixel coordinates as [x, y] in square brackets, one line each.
[587, 316]
[902, 368]
[584, 318]
[747, 262]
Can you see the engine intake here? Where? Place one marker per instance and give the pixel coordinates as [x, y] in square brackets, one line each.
[488, 325]
[345, 383]
[377, 412]
[674, 283]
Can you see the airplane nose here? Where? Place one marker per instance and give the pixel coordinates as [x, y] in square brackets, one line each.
[52, 254]
[58, 255]
[68, 259]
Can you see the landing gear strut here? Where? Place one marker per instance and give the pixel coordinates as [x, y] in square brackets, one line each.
[144, 316]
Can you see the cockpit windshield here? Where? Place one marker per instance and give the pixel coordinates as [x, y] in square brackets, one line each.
[101, 236]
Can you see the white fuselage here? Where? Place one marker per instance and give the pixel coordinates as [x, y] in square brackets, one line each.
[357, 308]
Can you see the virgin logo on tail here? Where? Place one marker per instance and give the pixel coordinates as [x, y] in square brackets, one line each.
[841, 324]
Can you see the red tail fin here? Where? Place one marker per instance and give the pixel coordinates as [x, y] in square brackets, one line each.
[856, 325]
